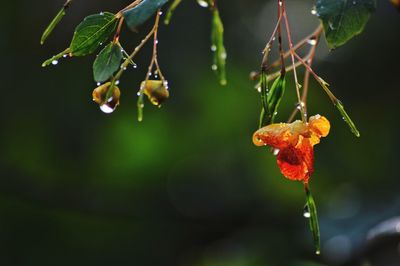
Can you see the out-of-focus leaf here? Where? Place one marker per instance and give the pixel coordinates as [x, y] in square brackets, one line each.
[136, 16]
[217, 46]
[275, 96]
[55, 22]
[339, 105]
[344, 19]
[92, 32]
[107, 62]
[171, 11]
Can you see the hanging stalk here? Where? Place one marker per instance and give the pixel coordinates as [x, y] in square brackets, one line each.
[313, 219]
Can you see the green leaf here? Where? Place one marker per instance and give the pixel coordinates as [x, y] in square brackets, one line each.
[344, 19]
[339, 105]
[107, 62]
[55, 22]
[217, 46]
[310, 211]
[171, 10]
[91, 32]
[136, 16]
[275, 96]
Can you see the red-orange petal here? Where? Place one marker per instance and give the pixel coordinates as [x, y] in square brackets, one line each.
[296, 163]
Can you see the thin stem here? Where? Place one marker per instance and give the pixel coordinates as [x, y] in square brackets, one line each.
[154, 61]
[118, 31]
[268, 46]
[292, 55]
[281, 53]
[318, 79]
[129, 59]
[311, 55]
[299, 45]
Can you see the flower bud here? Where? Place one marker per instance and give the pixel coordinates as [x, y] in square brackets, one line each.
[156, 91]
[99, 96]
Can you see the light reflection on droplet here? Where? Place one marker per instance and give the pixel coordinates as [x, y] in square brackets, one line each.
[202, 3]
[106, 109]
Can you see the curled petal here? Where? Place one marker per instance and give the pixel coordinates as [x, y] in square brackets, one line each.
[319, 125]
[278, 136]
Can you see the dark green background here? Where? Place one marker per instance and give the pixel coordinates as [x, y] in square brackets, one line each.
[187, 186]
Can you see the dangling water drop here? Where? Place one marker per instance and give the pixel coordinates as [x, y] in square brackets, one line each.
[306, 212]
[312, 41]
[54, 62]
[106, 109]
[314, 11]
[203, 3]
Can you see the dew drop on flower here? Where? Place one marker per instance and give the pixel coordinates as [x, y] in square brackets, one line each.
[106, 109]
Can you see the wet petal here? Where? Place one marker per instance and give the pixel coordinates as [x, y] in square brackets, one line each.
[296, 163]
[295, 143]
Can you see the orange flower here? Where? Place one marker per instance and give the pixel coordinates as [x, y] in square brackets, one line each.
[295, 144]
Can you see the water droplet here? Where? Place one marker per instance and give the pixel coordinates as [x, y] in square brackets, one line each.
[317, 252]
[54, 62]
[203, 3]
[306, 212]
[65, 56]
[98, 83]
[106, 109]
[134, 66]
[331, 25]
[275, 152]
[213, 48]
[312, 41]
[223, 56]
[117, 82]
[101, 13]
[214, 67]
[314, 11]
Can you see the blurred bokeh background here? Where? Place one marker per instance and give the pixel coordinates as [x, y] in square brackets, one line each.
[186, 186]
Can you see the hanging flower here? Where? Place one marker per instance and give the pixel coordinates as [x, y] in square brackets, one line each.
[99, 96]
[156, 91]
[295, 145]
